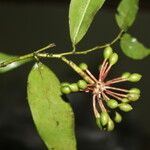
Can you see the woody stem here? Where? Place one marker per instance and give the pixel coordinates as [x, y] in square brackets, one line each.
[101, 105]
[113, 95]
[102, 69]
[106, 72]
[117, 80]
[117, 89]
[94, 107]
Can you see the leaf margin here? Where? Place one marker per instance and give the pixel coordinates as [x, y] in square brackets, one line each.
[125, 46]
[75, 40]
[120, 14]
[61, 101]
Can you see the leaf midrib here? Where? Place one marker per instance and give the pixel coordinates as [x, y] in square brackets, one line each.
[80, 23]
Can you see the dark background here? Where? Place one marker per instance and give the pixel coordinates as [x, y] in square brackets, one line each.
[26, 25]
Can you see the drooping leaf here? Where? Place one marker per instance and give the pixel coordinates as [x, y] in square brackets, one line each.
[133, 48]
[5, 57]
[52, 116]
[81, 14]
[127, 11]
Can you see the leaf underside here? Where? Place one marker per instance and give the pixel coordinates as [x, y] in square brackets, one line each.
[52, 116]
[133, 48]
[81, 14]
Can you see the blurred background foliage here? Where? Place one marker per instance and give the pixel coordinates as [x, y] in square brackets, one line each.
[28, 25]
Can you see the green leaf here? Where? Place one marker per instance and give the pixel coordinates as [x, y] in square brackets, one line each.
[6, 58]
[81, 14]
[52, 116]
[127, 11]
[133, 48]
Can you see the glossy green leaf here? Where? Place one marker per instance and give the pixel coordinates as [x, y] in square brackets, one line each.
[52, 116]
[5, 57]
[81, 14]
[127, 11]
[133, 48]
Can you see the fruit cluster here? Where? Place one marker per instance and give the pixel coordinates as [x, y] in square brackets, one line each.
[107, 99]
[67, 88]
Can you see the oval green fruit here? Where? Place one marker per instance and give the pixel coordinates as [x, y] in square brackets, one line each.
[83, 66]
[82, 84]
[133, 96]
[112, 103]
[113, 58]
[110, 125]
[74, 87]
[125, 75]
[135, 77]
[104, 117]
[65, 90]
[117, 118]
[135, 91]
[125, 107]
[98, 122]
[107, 52]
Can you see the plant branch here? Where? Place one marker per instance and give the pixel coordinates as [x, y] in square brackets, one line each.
[78, 70]
[38, 54]
[25, 57]
[85, 51]
[117, 37]
[16, 59]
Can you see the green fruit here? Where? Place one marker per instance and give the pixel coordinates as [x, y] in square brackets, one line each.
[107, 52]
[65, 90]
[113, 58]
[125, 107]
[117, 118]
[83, 66]
[112, 103]
[135, 77]
[82, 84]
[125, 100]
[110, 125]
[135, 91]
[133, 96]
[98, 122]
[74, 87]
[64, 84]
[126, 75]
[104, 117]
